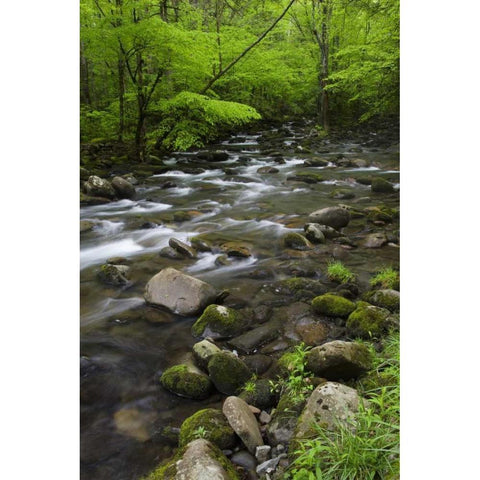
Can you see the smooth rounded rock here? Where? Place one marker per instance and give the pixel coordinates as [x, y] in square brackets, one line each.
[335, 217]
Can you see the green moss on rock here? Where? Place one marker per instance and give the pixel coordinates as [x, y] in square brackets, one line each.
[296, 241]
[183, 381]
[368, 321]
[389, 299]
[216, 427]
[218, 321]
[228, 372]
[332, 305]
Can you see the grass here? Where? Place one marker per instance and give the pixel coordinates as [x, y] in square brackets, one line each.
[250, 386]
[338, 272]
[386, 278]
[368, 448]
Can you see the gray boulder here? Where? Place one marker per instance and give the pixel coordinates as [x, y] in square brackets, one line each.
[98, 187]
[339, 360]
[123, 188]
[243, 422]
[335, 217]
[179, 293]
[314, 233]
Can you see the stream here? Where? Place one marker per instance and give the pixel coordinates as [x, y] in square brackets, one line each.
[126, 416]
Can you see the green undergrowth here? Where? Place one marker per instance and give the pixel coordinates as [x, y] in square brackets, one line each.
[370, 448]
[338, 272]
[386, 278]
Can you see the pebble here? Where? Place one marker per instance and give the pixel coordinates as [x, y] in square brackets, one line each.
[262, 453]
[264, 417]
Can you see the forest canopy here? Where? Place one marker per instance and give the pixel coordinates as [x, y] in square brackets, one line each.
[175, 73]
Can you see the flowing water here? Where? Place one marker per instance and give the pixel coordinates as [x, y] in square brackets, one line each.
[125, 345]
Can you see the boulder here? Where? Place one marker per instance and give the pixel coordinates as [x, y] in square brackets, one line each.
[387, 298]
[296, 241]
[227, 372]
[259, 394]
[182, 248]
[314, 233]
[98, 187]
[200, 244]
[114, 274]
[375, 240]
[218, 321]
[342, 194]
[243, 422]
[332, 305]
[186, 381]
[179, 293]
[335, 217]
[368, 321]
[253, 339]
[123, 188]
[169, 252]
[329, 404]
[339, 360]
[380, 185]
[235, 249]
[213, 423]
[199, 460]
[203, 351]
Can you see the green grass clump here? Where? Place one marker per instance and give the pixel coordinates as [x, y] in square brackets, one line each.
[386, 278]
[367, 450]
[338, 272]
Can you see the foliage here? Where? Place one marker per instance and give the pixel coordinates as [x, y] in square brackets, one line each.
[386, 278]
[368, 448]
[200, 432]
[338, 272]
[191, 119]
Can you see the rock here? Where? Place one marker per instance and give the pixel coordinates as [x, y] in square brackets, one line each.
[86, 226]
[169, 252]
[342, 194]
[339, 360]
[306, 177]
[123, 188]
[268, 170]
[328, 404]
[258, 363]
[245, 459]
[389, 299]
[375, 240]
[262, 453]
[335, 217]
[332, 305]
[242, 420]
[367, 321]
[181, 216]
[199, 460]
[284, 419]
[130, 179]
[118, 261]
[182, 248]
[218, 321]
[203, 351]
[253, 339]
[380, 185]
[299, 287]
[98, 187]
[327, 231]
[228, 373]
[114, 274]
[179, 293]
[186, 381]
[222, 261]
[213, 423]
[134, 423]
[217, 156]
[359, 163]
[316, 162]
[314, 233]
[311, 331]
[200, 245]
[261, 396]
[270, 465]
[264, 417]
[296, 241]
[235, 249]
[84, 174]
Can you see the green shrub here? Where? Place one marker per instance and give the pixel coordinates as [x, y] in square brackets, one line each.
[338, 272]
[386, 278]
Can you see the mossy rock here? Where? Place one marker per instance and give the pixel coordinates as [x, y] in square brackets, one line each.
[261, 396]
[300, 287]
[296, 241]
[368, 321]
[380, 185]
[185, 381]
[306, 177]
[168, 470]
[218, 321]
[341, 194]
[332, 305]
[182, 216]
[215, 426]
[228, 373]
[389, 299]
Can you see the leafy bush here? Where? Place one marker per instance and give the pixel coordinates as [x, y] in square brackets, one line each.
[191, 120]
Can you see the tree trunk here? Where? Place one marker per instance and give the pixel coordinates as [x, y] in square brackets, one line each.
[121, 97]
[85, 78]
[142, 107]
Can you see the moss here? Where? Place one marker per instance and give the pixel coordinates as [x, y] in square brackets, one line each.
[381, 185]
[389, 299]
[186, 383]
[217, 429]
[296, 241]
[368, 321]
[332, 305]
[228, 372]
[338, 272]
[387, 278]
[218, 321]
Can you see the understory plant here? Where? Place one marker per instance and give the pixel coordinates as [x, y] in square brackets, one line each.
[368, 447]
[386, 278]
[338, 272]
